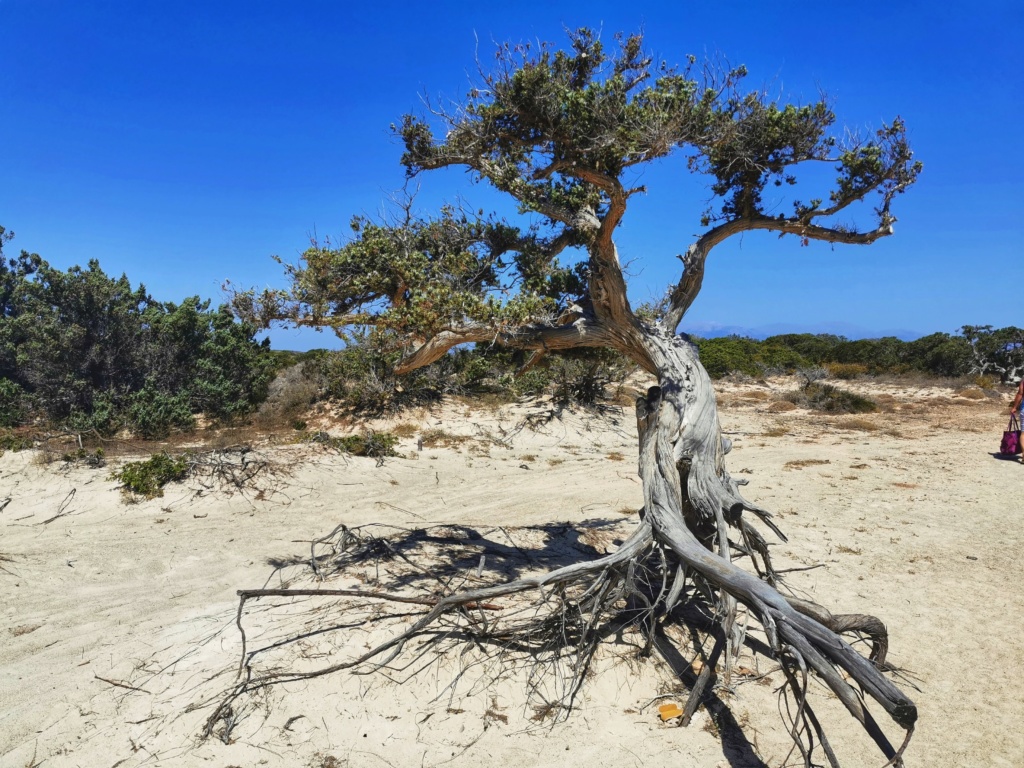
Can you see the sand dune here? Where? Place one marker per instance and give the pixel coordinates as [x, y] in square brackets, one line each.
[119, 620]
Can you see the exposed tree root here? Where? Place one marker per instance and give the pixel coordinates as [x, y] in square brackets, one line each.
[677, 559]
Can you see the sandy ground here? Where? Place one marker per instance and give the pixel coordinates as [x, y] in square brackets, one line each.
[118, 621]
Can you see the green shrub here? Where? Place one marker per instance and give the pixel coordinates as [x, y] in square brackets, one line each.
[11, 441]
[373, 444]
[362, 376]
[846, 371]
[148, 478]
[729, 354]
[13, 406]
[153, 414]
[377, 445]
[585, 379]
[80, 347]
[94, 459]
[232, 371]
[829, 399]
[100, 416]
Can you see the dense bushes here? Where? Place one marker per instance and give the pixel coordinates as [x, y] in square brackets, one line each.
[939, 354]
[361, 377]
[90, 352]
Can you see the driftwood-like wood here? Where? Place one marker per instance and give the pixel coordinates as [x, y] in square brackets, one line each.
[527, 137]
[680, 444]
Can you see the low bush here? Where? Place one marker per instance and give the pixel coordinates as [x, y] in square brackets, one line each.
[148, 478]
[439, 438]
[12, 441]
[377, 445]
[12, 403]
[829, 399]
[846, 371]
[589, 378]
[94, 459]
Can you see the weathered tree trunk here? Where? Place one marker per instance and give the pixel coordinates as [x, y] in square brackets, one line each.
[690, 502]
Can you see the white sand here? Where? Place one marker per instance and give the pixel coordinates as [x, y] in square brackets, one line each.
[915, 522]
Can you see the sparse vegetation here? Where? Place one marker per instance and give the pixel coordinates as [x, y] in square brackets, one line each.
[801, 463]
[830, 399]
[94, 459]
[148, 478]
[435, 438]
[864, 425]
[13, 441]
[846, 370]
[376, 445]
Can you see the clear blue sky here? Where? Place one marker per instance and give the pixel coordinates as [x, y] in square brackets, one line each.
[184, 143]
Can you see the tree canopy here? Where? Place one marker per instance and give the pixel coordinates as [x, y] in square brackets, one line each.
[562, 132]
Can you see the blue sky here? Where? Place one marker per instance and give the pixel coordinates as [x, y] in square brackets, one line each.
[185, 143]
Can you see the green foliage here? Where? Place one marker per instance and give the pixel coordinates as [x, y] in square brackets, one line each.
[730, 354]
[92, 352]
[12, 403]
[362, 375]
[281, 359]
[94, 459]
[153, 413]
[372, 444]
[12, 441]
[816, 349]
[938, 354]
[587, 376]
[564, 132]
[232, 371]
[377, 445]
[103, 416]
[846, 371]
[148, 478]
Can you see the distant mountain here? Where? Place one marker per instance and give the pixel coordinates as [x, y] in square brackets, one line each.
[839, 328]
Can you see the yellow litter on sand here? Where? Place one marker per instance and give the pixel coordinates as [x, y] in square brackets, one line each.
[668, 711]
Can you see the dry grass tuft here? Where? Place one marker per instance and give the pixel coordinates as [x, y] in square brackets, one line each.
[407, 429]
[615, 456]
[776, 430]
[801, 463]
[864, 425]
[971, 393]
[435, 438]
[781, 406]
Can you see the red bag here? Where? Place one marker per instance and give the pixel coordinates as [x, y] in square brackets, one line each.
[1011, 437]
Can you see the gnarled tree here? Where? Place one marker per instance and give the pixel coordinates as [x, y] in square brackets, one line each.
[562, 132]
